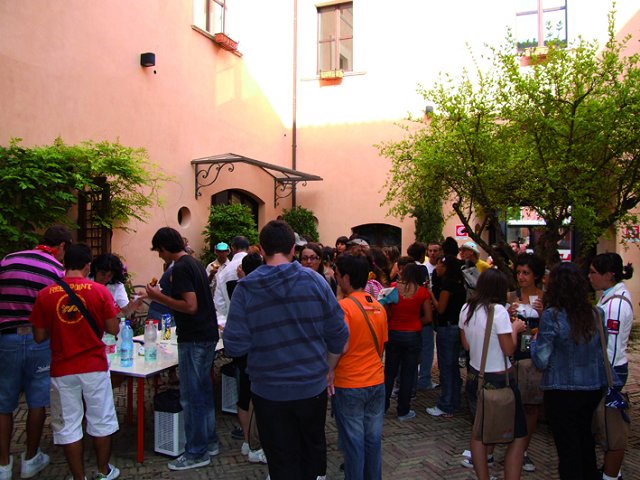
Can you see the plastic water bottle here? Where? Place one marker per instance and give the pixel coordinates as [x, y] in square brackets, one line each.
[119, 339]
[109, 347]
[126, 347]
[150, 339]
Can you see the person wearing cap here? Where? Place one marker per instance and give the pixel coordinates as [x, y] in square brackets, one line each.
[470, 253]
[221, 297]
[22, 275]
[222, 252]
[361, 242]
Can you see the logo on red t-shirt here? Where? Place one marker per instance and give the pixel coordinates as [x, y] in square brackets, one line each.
[68, 312]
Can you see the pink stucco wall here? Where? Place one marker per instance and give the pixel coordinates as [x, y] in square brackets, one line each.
[70, 68]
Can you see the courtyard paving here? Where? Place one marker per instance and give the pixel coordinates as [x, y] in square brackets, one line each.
[423, 448]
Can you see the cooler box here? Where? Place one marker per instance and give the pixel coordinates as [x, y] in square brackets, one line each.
[168, 419]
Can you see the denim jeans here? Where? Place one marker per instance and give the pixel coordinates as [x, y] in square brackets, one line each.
[623, 373]
[426, 357]
[402, 351]
[196, 396]
[26, 366]
[292, 436]
[448, 345]
[359, 415]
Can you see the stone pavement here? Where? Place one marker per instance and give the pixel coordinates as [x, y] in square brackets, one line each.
[422, 448]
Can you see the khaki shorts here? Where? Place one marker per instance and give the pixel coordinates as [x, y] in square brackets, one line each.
[67, 409]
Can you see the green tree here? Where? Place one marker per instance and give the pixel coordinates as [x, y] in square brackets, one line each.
[560, 136]
[302, 221]
[39, 185]
[429, 220]
[225, 222]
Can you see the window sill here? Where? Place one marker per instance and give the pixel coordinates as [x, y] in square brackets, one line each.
[533, 56]
[223, 42]
[344, 75]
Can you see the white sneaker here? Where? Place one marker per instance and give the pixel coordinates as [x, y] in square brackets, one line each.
[30, 468]
[7, 470]
[436, 412]
[257, 456]
[114, 472]
[244, 450]
[527, 464]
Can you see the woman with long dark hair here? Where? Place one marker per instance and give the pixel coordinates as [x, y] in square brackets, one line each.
[449, 298]
[526, 303]
[567, 349]
[109, 270]
[607, 273]
[311, 257]
[405, 339]
[491, 289]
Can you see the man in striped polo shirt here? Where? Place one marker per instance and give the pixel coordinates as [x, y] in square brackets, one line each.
[26, 364]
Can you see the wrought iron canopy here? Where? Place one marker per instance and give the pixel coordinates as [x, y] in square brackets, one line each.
[284, 179]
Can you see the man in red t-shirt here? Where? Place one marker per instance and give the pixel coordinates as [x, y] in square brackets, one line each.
[79, 368]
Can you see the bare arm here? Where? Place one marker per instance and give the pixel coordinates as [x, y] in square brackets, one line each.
[443, 301]
[187, 304]
[427, 309]
[40, 334]
[112, 326]
[332, 360]
[509, 341]
[463, 340]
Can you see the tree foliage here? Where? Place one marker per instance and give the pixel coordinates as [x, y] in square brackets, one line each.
[225, 222]
[302, 221]
[39, 185]
[560, 136]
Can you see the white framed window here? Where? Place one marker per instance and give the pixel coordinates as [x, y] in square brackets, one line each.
[211, 15]
[539, 22]
[335, 37]
[215, 14]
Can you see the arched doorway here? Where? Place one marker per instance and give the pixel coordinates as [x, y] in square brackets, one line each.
[380, 234]
[227, 197]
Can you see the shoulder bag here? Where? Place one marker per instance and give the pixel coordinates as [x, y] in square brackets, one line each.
[366, 317]
[75, 300]
[496, 410]
[611, 422]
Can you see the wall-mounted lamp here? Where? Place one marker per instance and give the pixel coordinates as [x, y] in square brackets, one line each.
[148, 59]
[428, 110]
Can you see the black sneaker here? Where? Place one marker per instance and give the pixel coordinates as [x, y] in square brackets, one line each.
[237, 433]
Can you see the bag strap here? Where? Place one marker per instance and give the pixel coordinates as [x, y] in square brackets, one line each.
[485, 348]
[366, 317]
[605, 356]
[621, 297]
[75, 300]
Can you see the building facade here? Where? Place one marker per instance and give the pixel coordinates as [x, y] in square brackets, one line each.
[300, 92]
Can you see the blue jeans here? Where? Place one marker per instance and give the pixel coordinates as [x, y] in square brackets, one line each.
[402, 351]
[623, 373]
[196, 396]
[448, 345]
[426, 357]
[359, 415]
[25, 368]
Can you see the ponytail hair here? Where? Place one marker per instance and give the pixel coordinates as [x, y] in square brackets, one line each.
[612, 262]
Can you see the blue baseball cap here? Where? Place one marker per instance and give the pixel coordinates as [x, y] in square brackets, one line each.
[222, 247]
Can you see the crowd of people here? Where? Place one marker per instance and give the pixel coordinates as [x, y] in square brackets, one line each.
[305, 324]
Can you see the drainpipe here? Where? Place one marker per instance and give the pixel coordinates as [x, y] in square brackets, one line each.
[294, 133]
